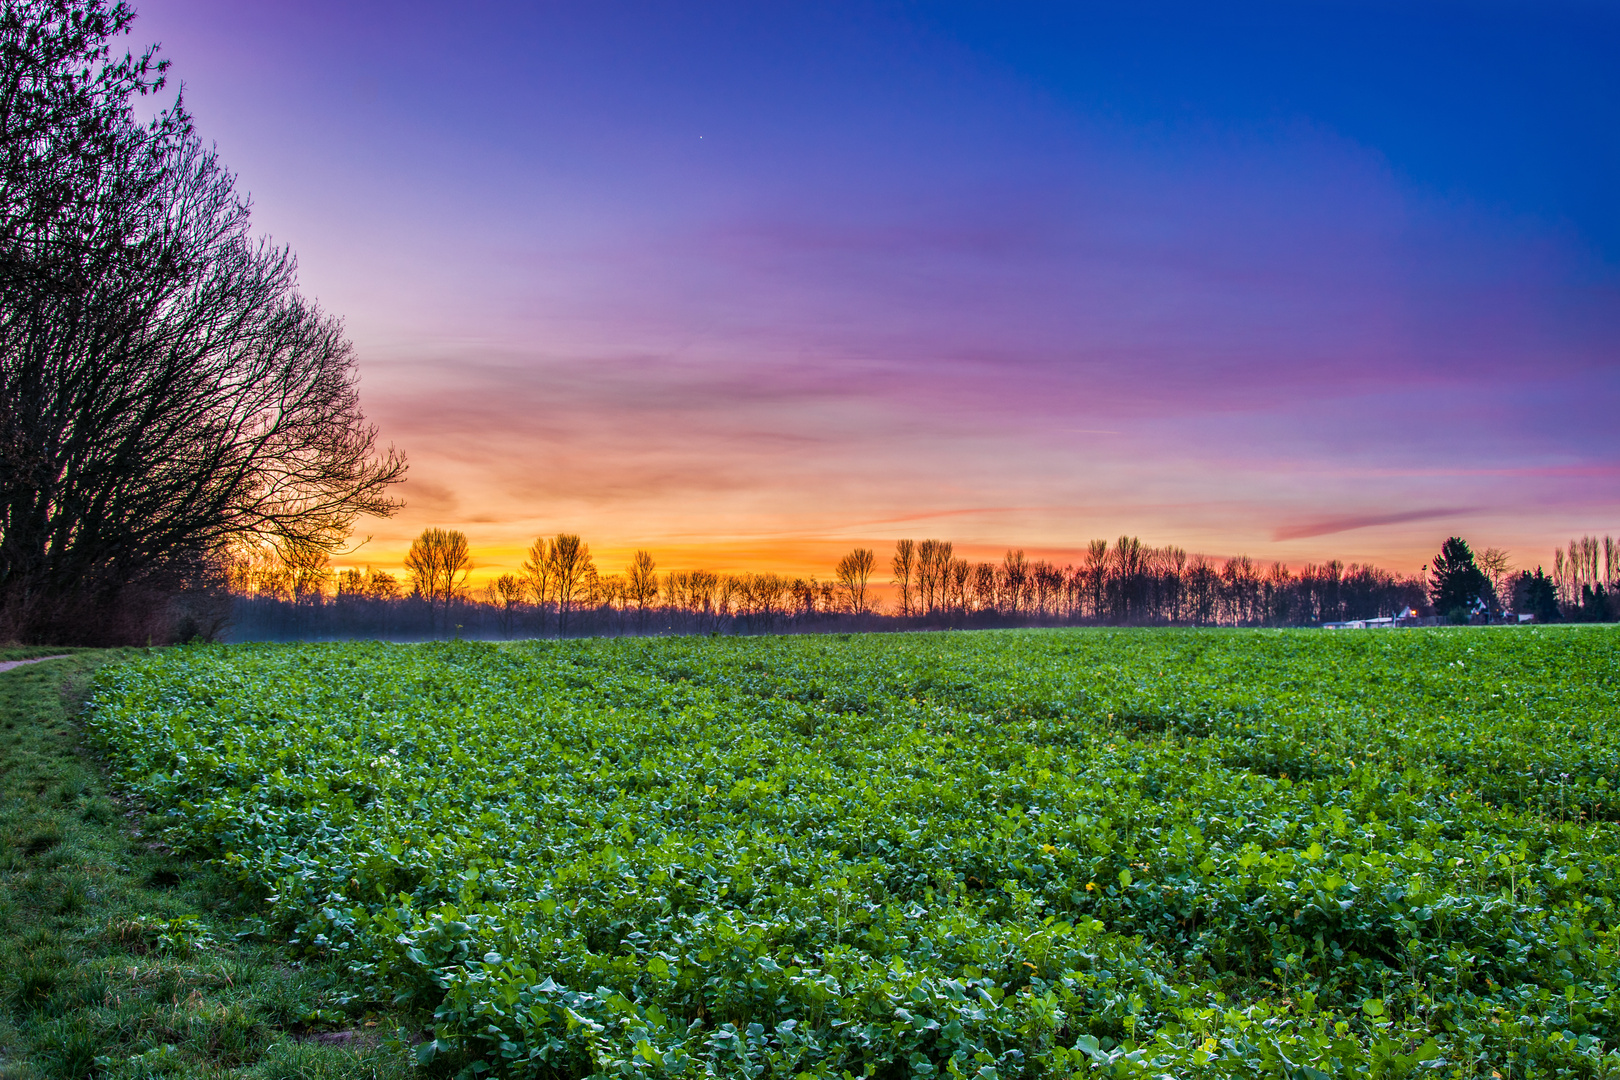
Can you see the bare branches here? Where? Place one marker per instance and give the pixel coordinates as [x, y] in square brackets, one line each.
[562, 571]
[641, 583]
[853, 571]
[933, 564]
[505, 593]
[904, 565]
[165, 393]
[438, 564]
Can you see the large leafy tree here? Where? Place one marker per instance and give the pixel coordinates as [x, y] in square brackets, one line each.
[1457, 581]
[165, 392]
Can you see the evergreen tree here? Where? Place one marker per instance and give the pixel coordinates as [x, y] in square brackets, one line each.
[1457, 581]
[1594, 604]
[1535, 594]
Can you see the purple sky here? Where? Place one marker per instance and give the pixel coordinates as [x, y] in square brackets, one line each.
[749, 286]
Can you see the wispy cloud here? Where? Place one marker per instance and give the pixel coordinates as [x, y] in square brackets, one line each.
[1328, 526]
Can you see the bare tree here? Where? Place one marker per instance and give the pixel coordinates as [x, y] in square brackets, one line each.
[1322, 591]
[259, 571]
[506, 594]
[760, 599]
[706, 598]
[1074, 593]
[1277, 594]
[954, 589]
[536, 571]
[1495, 563]
[1584, 575]
[641, 585]
[1128, 560]
[438, 564]
[1097, 577]
[805, 595]
[1014, 580]
[933, 565]
[678, 601]
[311, 571]
[904, 565]
[771, 593]
[573, 575]
[854, 570]
[351, 583]
[727, 599]
[165, 392]
[366, 598]
[373, 584]
[691, 596]
[982, 586]
[1046, 584]
[1174, 562]
[1203, 584]
[610, 595]
[1241, 580]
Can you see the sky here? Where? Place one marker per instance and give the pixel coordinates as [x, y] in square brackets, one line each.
[749, 285]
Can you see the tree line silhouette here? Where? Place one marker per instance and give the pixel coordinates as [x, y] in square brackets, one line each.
[560, 591]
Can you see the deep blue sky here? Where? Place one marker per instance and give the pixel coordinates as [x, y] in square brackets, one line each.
[1516, 107]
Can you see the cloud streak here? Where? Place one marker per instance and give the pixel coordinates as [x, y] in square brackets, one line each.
[1330, 526]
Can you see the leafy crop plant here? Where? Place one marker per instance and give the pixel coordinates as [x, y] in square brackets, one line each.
[1138, 853]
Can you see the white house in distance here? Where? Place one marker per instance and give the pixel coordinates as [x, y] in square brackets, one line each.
[1407, 617]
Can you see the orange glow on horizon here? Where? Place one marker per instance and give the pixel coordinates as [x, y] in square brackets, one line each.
[815, 557]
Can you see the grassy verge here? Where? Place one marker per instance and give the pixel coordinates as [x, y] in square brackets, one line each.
[117, 959]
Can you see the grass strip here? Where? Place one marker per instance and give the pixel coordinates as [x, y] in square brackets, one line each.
[118, 959]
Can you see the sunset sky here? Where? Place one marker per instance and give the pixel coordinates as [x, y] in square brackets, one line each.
[750, 284]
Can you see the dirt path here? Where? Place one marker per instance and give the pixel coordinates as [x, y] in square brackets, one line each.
[7, 665]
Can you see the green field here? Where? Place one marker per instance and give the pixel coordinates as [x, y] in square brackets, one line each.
[1190, 853]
